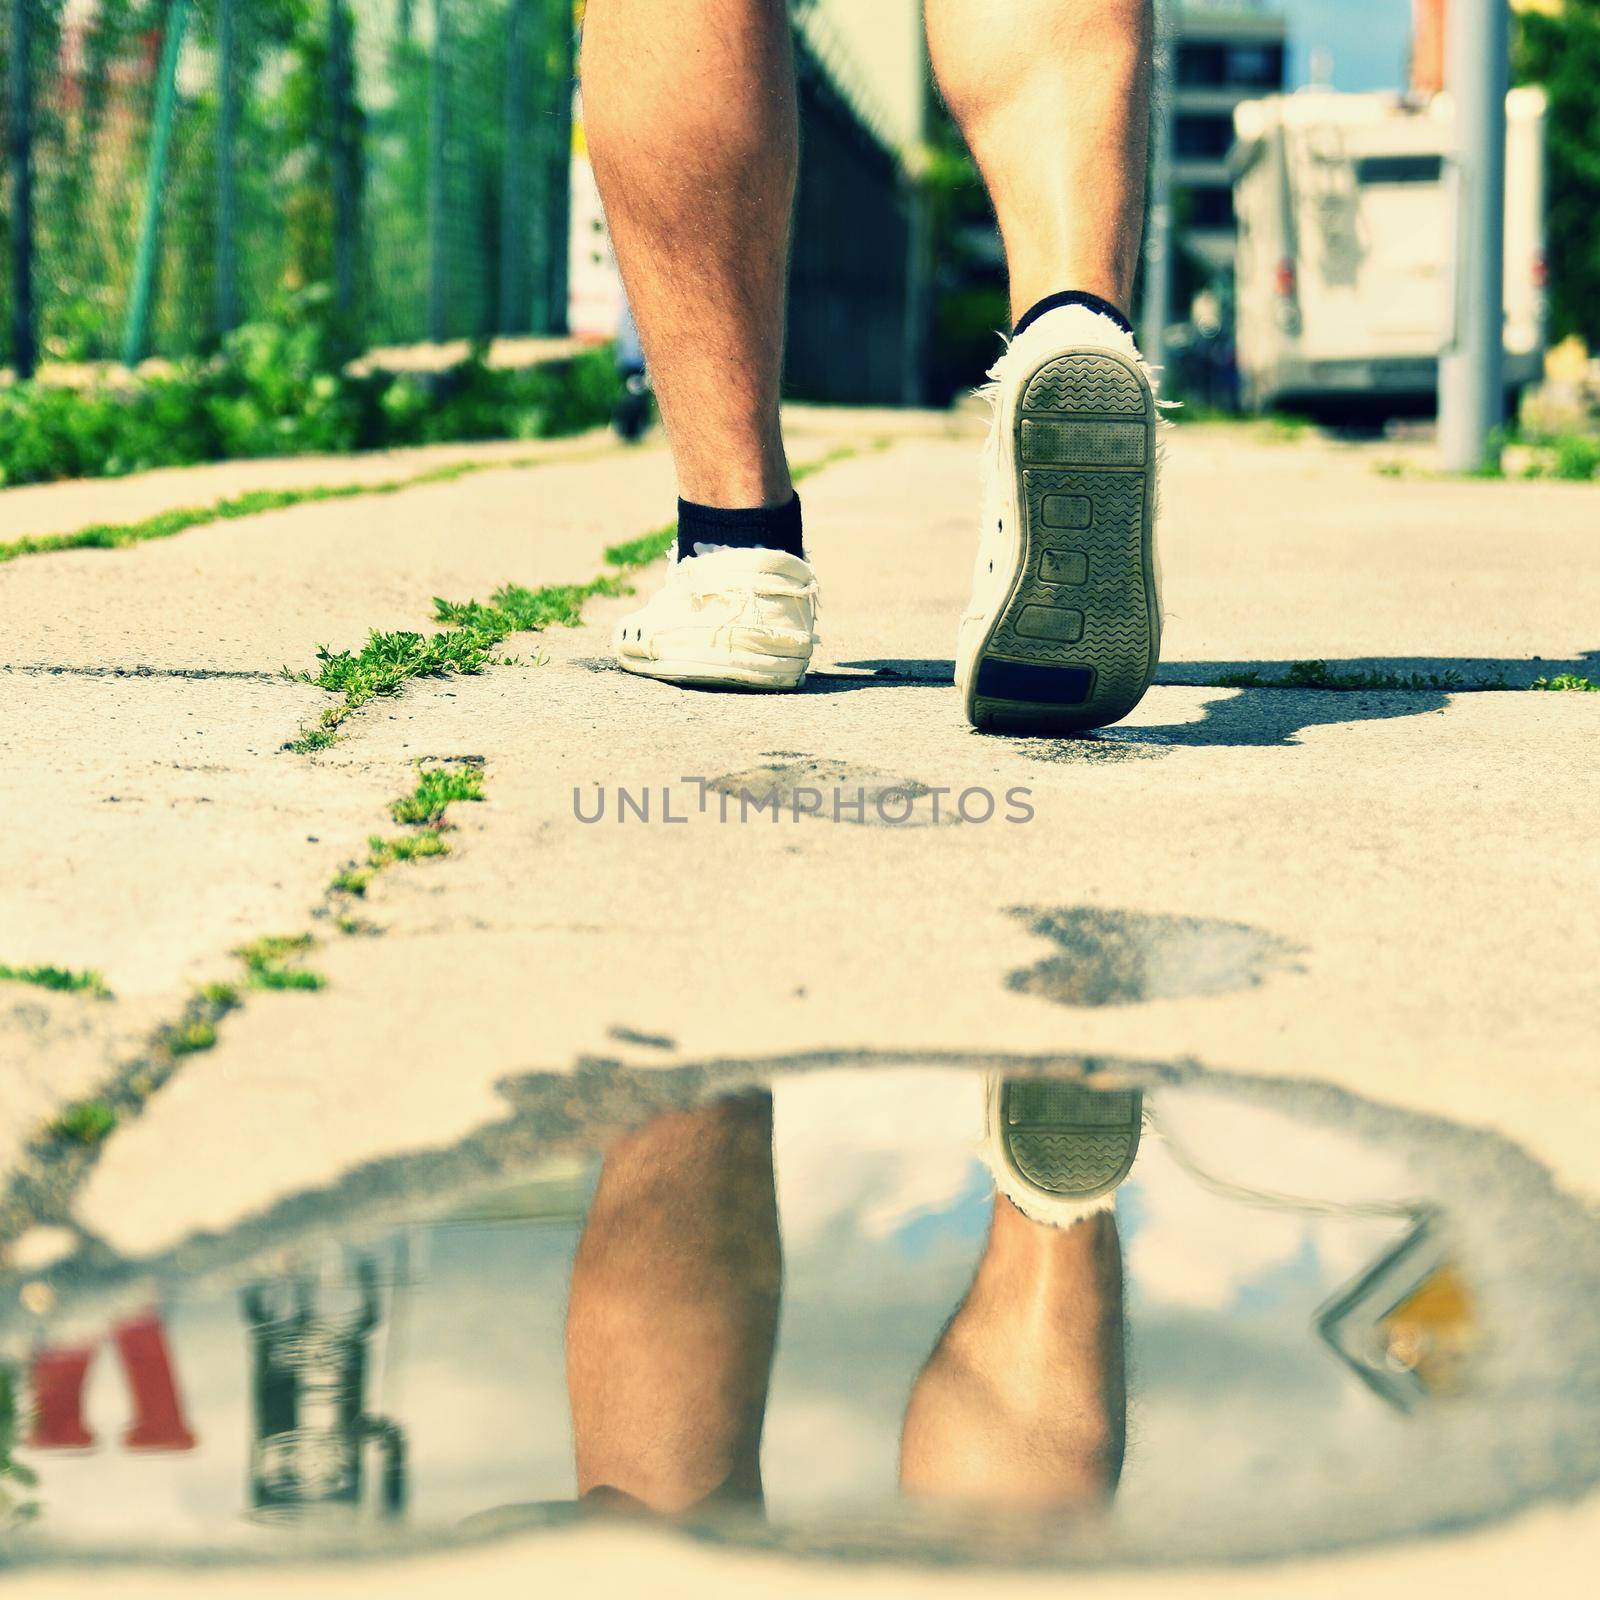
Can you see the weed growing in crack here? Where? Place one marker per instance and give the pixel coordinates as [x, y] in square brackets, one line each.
[437, 789]
[1319, 675]
[474, 629]
[57, 978]
[188, 1037]
[86, 1122]
[1568, 683]
[265, 963]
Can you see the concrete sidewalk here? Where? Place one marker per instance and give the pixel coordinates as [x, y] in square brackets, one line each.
[1383, 888]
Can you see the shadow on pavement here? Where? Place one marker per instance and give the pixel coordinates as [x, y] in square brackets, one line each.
[1256, 716]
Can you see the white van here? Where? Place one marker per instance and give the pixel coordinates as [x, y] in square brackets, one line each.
[1344, 287]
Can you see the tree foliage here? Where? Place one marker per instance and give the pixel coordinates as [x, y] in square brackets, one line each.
[1561, 51]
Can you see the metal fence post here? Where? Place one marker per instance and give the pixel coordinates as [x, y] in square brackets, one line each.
[1153, 314]
[438, 174]
[344, 153]
[514, 298]
[1471, 371]
[19, 159]
[137, 334]
[919, 249]
[227, 269]
[555, 215]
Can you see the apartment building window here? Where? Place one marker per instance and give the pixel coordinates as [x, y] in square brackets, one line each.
[1202, 136]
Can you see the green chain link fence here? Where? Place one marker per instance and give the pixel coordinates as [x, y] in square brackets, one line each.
[194, 163]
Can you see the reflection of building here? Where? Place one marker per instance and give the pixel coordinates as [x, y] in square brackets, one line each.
[1225, 54]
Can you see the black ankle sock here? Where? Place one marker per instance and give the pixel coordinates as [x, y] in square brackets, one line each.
[1072, 297]
[761, 528]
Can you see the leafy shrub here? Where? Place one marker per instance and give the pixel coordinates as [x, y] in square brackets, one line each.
[279, 388]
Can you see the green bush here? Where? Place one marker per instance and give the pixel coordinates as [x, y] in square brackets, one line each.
[279, 388]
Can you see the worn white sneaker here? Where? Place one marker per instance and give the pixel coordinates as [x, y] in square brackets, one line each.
[731, 618]
[1064, 630]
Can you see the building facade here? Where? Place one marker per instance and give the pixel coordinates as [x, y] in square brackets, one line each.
[1223, 54]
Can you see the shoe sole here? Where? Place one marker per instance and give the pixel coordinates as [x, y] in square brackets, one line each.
[773, 673]
[1075, 643]
[1065, 1143]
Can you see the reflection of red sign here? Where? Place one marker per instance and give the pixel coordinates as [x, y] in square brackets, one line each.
[59, 1377]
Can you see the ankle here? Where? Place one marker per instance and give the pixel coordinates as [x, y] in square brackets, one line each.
[1086, 298]
[703, 527]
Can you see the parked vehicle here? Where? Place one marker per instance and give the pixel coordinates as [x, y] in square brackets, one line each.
[1345, 267]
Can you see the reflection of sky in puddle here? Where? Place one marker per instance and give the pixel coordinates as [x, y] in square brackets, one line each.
[1246, 1433]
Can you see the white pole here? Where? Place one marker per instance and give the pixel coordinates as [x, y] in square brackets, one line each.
[1158, 229]
[1471, 384]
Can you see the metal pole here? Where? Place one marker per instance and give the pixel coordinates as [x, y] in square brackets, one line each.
[919, 249]
[227, 190]
[438, 173]
[344, 164]
[514, 298]
[137, 333]
[1471, 382]
[19, 159]
[556, 221]
[1158, 229]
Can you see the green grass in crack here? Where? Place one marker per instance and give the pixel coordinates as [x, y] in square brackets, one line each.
[87, 1122]
[166, 524]
[437, 789]
[475, 629]
[266, 963]
[382, 853]
[1567, 682]
[388, 661]
[189, 1036]
[1319, 675]
[58, 978]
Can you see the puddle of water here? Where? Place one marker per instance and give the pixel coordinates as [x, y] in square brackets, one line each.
[1118, 958]
[789, 1308]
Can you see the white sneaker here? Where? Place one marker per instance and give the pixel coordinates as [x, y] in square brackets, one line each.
[731, 618]
[1064, 630]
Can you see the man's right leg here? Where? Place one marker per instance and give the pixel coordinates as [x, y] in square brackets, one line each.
[689, 112]
[1052, 96]
[1024, 1402]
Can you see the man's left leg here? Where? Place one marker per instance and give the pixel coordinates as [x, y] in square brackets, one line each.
[672, 1317]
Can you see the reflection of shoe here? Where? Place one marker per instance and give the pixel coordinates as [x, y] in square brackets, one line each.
[1064, 628]
[1058, 1150]
[732, 618]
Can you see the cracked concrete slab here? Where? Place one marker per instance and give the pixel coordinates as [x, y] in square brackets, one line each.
[1406, 846]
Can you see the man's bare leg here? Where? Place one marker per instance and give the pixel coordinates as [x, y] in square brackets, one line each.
[689, 111]
[673, 1312]
[1053, 97]
[1063, 633]
[1023, 1402]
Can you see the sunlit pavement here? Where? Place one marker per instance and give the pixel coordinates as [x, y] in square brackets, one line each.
[1335, 914]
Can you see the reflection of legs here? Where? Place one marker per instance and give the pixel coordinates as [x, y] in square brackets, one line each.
[1023, 1400]
[1053, 98]
[674, 1309]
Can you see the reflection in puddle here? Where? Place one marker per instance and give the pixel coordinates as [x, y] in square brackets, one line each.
[1118, 958]
[910, 1311]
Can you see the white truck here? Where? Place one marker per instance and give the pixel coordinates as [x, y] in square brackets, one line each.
[1344, 287]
